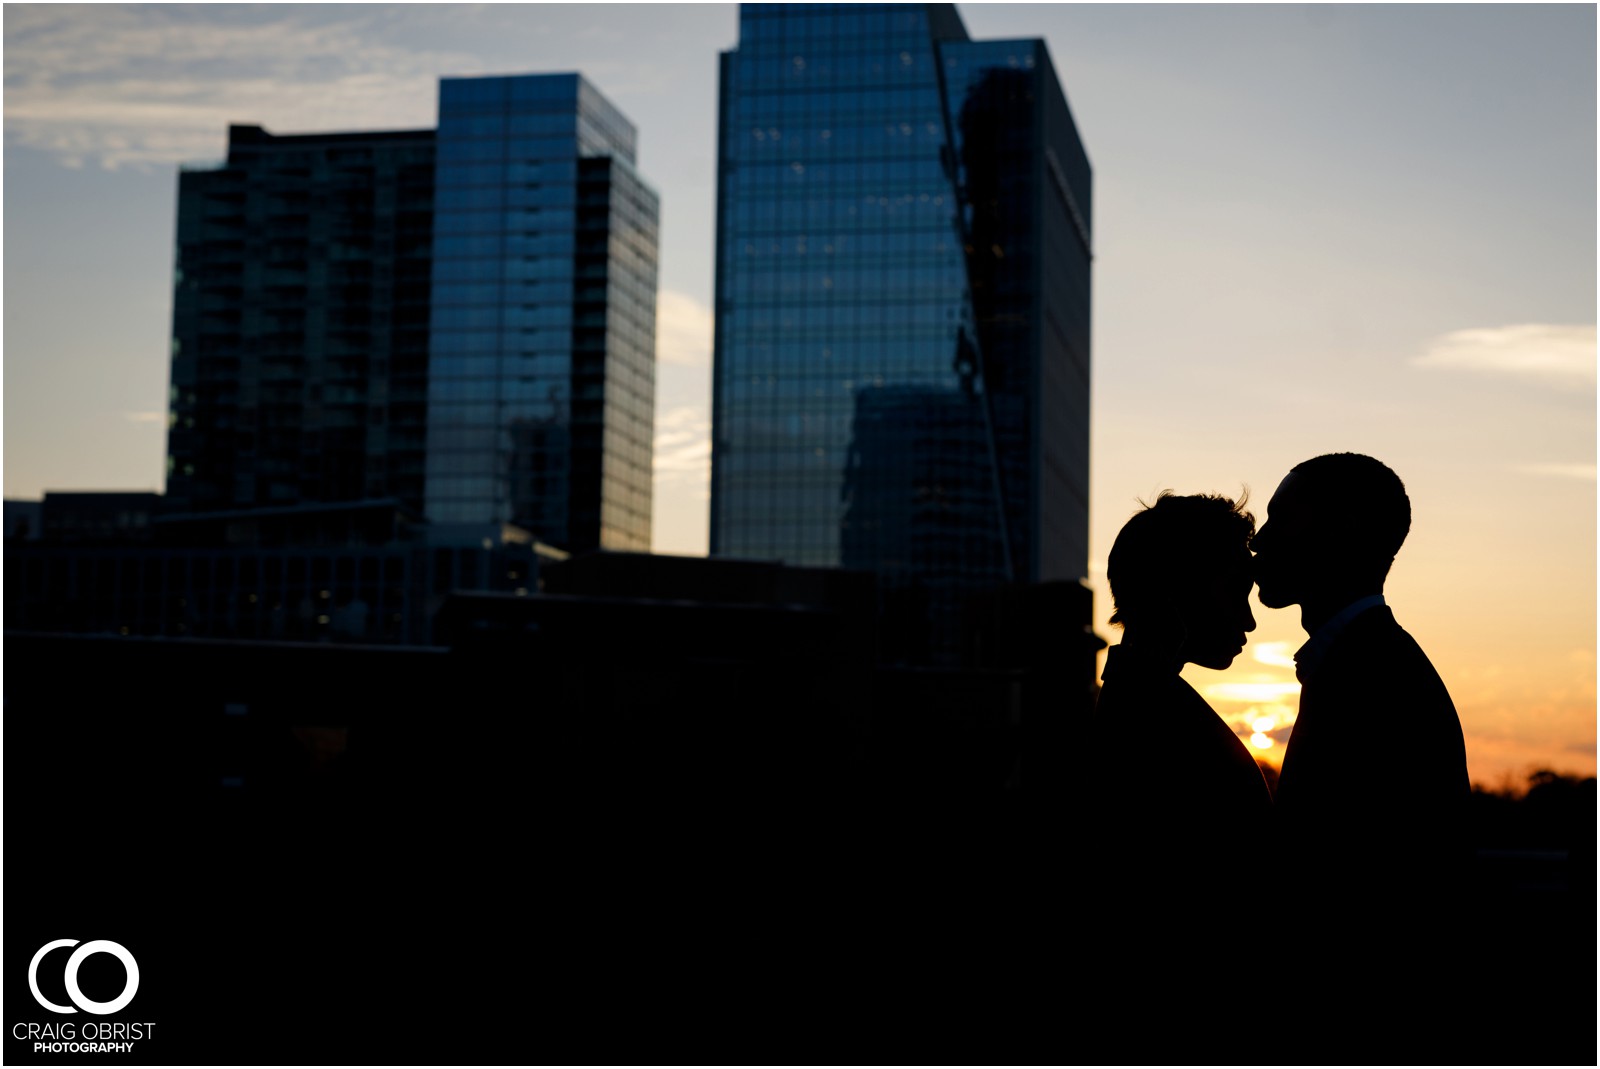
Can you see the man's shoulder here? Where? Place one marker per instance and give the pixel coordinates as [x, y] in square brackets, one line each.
[1377, 624]
[1375, 639]
[1374, 678]
[1379, 662]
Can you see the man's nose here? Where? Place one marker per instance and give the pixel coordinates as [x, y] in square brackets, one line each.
[1249, 620]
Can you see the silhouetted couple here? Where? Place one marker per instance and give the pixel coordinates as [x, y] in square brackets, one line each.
[1354, 872]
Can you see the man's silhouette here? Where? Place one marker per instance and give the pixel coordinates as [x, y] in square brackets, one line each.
[1374, 782]
[1372, 797]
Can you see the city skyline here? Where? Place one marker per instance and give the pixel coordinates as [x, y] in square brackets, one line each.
[1318, 229]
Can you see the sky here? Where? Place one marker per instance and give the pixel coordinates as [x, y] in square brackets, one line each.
[1318, 229]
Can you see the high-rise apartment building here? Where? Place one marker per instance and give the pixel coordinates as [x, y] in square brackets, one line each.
[300, 321]
[541, 400]
[460, 320]
[902, 302]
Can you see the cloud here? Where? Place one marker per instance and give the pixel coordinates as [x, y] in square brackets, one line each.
[1559, 471]
[1553, 353]
[683, 330]
[139, 87]
[151, 85]
[145, 417]
[683, 447]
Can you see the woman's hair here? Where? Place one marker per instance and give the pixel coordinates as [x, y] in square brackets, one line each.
[1167, 545]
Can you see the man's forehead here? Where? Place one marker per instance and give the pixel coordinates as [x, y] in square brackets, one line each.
[1289, 495]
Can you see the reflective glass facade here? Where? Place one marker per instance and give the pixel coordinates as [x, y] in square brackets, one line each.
[542, 387]
[902, 323]
[300, 321]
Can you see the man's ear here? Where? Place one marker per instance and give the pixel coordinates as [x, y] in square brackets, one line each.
[1339, 534]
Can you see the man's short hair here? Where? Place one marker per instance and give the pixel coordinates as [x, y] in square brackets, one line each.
[1168, 544]
[1369, 497]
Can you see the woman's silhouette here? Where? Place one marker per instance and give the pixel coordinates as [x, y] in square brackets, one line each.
[1187, 802]
[1170, 813]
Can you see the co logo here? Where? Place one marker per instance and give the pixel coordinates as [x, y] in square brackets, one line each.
[79, 956]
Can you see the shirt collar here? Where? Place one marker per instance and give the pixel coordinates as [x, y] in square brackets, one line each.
[1308, 657]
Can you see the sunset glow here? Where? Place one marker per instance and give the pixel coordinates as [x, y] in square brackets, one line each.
[1277, 654]
[1254, 691]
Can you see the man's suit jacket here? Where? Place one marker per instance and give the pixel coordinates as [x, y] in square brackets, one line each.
[1372, 798]
[1372, 809]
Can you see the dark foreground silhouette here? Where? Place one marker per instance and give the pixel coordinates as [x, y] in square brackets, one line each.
[1374, 862]
[1194, 815]
[1175, 830]
[629, 823]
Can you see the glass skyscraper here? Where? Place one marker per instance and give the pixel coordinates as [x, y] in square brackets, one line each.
[300, 321]
[461, 319]
[542, 387]
[902, 303]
